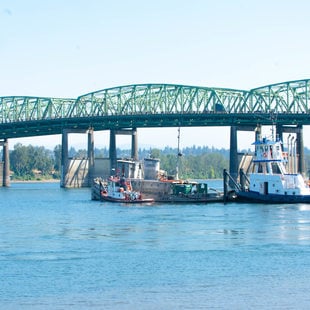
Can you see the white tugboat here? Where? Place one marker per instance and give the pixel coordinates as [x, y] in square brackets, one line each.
[273, 178]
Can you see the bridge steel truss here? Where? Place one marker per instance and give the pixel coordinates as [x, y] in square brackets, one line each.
[156, 105]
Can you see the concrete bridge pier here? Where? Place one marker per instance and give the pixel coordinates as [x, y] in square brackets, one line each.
[300, 150]
[112, 150]
[234, 159]
[233, 154]
[134, 144]
[298, 130]
[279, 133]
[258, 132]
[5, 165]
[91, 155]
[64, 159]
[77, 172]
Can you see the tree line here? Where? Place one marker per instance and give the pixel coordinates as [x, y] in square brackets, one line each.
[34, 162]
[37, 162]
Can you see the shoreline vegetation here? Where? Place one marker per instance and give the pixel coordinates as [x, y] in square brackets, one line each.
[38, 164]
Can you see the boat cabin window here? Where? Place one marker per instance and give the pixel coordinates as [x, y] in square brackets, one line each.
[275, 168]
[260, 168]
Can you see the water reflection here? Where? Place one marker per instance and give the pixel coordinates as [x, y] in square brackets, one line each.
[187, 227]
[288, 223]
[303, 207]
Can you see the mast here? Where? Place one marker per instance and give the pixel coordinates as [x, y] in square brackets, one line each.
[178, 156]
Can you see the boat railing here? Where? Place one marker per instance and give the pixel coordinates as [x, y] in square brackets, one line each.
[230, 185]
[244, 180]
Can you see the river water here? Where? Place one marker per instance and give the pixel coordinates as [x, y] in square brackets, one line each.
[60, 250]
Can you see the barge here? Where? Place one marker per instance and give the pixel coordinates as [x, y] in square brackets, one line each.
[153, 183]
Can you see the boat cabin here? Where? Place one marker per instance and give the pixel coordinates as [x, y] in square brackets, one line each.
[269, 174]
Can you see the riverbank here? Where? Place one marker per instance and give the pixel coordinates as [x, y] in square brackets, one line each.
[36, 181]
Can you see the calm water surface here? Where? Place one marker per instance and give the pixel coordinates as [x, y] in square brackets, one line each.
[60, 250]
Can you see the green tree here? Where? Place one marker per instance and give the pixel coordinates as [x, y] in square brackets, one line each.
[155, 153]
[42, 159]
[20, 161]
[24, 160]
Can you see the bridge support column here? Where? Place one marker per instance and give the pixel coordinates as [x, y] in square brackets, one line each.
[6, 160]
[300, 150]
[5, 177]
[298, 130]
[279, 133]
[134, 144]
[233, 160]
[258, 132]
[91, 156]
[112, 152]
[64, 158]
[77, 172]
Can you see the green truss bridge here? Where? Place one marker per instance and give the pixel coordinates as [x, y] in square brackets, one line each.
[156, 105]
[123, 109]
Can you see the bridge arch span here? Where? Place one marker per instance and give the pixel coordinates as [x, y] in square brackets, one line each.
[156, 105]
[157, 98]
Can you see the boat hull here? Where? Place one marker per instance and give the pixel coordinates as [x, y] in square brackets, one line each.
[189, 199]
[250, 196]
[141, 200]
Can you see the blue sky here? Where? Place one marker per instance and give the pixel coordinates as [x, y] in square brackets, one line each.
[68, 48]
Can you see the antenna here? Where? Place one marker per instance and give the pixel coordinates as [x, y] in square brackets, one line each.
[178, 155]
[272, 132]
